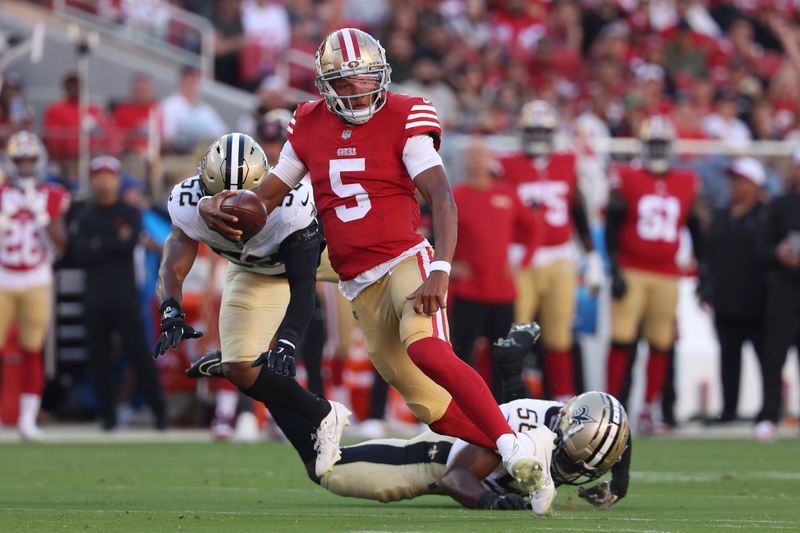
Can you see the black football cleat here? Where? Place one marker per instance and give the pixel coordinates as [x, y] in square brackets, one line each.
[208, 366]
[525, 335]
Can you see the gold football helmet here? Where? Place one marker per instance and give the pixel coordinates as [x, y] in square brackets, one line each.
[657, 137]
[26, 156]
[232, 163]
[352, 53]
[592, 433]
[537, 124]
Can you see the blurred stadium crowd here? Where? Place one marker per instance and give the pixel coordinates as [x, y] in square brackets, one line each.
[720, 70]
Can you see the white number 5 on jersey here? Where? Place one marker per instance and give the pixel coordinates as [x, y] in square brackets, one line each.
[350, 190]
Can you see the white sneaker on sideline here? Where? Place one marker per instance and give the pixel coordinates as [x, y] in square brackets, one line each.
[246, 429]
[766, 431]
[328, 436]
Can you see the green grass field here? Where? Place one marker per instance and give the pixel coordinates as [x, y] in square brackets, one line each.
[677, 485]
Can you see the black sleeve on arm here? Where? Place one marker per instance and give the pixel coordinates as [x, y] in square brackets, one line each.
[696, 231]
[615, 216]
[620, 472]
[581, 219]
[300, 253]
[772, 233]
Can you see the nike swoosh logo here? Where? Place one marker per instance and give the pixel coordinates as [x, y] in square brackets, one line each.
[308, 197]
[210, 368]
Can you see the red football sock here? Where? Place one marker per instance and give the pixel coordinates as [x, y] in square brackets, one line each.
[656, 374]
[559, 371]
[456, 424]
[618, 360]
[31, 377]
[439, 362]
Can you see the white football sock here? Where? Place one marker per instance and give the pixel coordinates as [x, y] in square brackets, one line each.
[227, 400]
[28, 409]
[507, 444]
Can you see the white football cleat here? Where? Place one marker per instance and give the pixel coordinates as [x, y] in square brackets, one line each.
[523, 465]
[542, 499]
[30, 432]
[328, 436]
[544, 443]
[766, 431]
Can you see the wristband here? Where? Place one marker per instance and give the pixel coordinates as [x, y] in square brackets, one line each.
[441, 266]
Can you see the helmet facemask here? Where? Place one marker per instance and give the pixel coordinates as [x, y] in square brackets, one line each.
[372, 84]
[657, 155]
[537, 141]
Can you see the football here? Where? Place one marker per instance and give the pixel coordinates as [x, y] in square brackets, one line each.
[249, 209]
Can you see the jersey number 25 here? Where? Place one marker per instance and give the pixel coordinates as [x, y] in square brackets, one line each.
[349, 190]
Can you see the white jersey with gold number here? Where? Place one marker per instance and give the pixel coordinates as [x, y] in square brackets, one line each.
[260, 253]
[522, 415]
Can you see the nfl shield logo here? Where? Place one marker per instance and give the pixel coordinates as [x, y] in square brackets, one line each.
[346, 134]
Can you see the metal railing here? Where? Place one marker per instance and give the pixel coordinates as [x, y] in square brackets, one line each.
[169, 31]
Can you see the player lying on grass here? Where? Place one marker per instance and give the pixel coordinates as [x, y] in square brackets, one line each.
[578, 441]
[269, 291]
[589, 436]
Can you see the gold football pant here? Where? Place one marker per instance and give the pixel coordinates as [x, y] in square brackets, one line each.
[31, 309]
[390, 325]
[547, 294]
[253, 306]
[389, 470]
[650, 302]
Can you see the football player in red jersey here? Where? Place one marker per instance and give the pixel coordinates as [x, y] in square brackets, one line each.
[32, 229]
[366, 151]
[546, 181]
[650, 204]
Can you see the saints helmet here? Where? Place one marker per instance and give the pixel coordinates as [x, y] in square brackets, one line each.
[592, 434]
[537, 124]
[656, 138]
[232, 163]
[351, 52]
[26, 156]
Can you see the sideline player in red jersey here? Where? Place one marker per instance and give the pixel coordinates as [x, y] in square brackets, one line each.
[649, 205]
[546, 181]
[32, 229]
[366, 151]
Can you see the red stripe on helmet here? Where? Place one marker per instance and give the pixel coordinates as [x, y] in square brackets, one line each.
[356, 48]
[345, 56]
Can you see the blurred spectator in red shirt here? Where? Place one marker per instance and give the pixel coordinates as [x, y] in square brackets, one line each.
[132, 116]
[482, 288]
[61, 125]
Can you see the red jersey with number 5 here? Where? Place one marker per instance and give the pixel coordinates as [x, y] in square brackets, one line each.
[24, 252]
[658, 207]
[548, 188]
[363, 192]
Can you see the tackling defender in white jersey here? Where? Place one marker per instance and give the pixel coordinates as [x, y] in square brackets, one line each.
[268, 292]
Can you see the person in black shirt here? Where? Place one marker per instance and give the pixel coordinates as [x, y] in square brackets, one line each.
[104, 235]
[781, 247]
[733, 258]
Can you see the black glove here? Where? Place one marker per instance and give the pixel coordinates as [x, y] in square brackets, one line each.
[600, 495]
[501, 502]
[279, 359]
[618, 285]
[173, 327]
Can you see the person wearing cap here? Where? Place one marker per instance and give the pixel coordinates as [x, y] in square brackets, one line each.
[780, 242]
[104, 234]
[732, 275]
